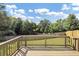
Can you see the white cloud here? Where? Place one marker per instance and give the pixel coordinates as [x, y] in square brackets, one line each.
[30, 10]
[65, 7]
[20, 11]
[41, 11]
[11, 6]
[77, 16]
[20, 16]
[47, 12]
[75, 4]
[38, 17]
[13, 11]
[51, 13]
[75, 8]
[62, 15]
[30, 17]
[57, 14]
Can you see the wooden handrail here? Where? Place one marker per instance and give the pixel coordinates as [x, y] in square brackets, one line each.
[41, 36]
[10, 40]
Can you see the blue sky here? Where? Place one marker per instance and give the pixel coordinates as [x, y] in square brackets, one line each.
[38, 11]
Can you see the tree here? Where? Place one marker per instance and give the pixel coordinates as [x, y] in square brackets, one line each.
[34, 28]
[18, 27]
[71, 22]
[4, 19]
[43, 26]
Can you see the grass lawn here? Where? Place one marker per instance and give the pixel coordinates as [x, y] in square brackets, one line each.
[53, 41]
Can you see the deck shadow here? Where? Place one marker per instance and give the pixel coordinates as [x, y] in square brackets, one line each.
[50, 48]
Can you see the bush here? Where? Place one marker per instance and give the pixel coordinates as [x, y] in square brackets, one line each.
[10, 33]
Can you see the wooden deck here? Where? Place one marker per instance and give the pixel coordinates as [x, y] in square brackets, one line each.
[52, 53]
[49, 51]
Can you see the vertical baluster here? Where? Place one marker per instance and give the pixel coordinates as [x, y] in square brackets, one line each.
[3, 50]
[71, 42]
[5, 47]
[17, 44]
[0, 50]
[14, 46]
[65, 42]
[9, 48]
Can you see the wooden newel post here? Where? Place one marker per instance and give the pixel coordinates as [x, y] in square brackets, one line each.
[45, 42]
[77, 44]
[25, 42]
[74, 44]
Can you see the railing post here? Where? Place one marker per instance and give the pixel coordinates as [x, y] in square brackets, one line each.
[78, 45]
[45, 42]
[74, 44]
[25, 42]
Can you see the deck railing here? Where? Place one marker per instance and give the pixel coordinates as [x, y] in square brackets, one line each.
[9, 47]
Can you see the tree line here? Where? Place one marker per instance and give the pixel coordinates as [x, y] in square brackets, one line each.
[16, 26]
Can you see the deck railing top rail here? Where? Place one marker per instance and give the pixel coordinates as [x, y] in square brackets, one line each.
[44, 36]
[10, 40]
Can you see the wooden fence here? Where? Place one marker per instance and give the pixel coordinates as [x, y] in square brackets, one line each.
[74, 37]
[73, 34]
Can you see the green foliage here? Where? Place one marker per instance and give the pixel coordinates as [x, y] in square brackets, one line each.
[4, 21]
[71, 23]
[43, 26]
[18, 26]
[11, 25]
